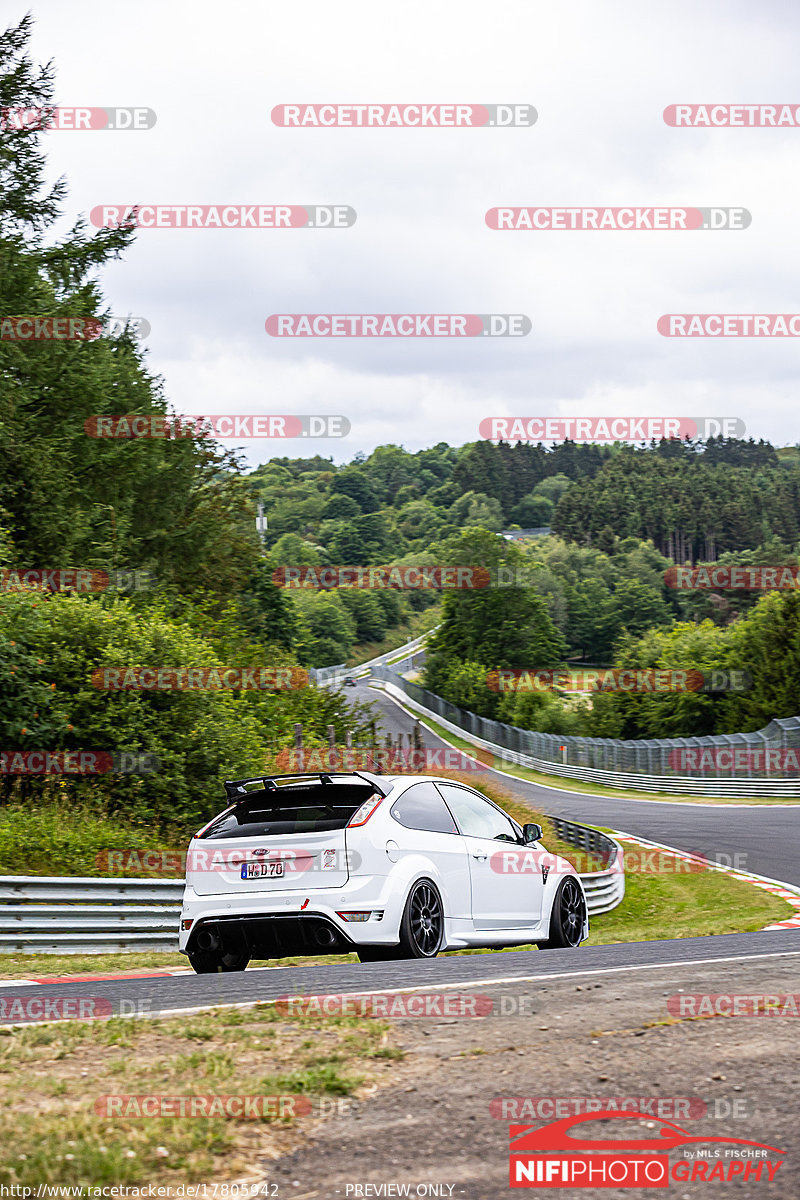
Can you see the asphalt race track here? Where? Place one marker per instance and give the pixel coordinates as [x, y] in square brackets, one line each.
[181, 993]
[763, 834]
[765, 837]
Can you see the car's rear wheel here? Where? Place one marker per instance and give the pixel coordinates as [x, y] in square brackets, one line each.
[210, 962]
[422, 926]
[568, 917]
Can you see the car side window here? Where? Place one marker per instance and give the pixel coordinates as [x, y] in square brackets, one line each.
[421, 807]
[475, 816]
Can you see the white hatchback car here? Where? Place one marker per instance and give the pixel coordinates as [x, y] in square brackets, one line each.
[388, 867]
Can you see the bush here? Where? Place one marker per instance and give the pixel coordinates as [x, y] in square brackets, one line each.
[198, 737]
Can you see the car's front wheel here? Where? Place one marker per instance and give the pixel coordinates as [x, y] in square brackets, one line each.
[567, 918]
[422, 926]
[210, 962]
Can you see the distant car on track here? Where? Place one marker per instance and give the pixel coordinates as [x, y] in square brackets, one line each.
[349, 681]
[389, 867]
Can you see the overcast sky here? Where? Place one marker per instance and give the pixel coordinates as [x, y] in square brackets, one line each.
[599, 76]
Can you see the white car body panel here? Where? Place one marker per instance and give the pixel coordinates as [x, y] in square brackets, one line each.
[372, 867]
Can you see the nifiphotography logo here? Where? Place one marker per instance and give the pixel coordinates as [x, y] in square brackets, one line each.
[550, 1156]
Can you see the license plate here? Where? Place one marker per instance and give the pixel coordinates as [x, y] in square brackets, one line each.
[262, 870]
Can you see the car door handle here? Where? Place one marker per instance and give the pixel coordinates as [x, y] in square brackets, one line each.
[480, 857]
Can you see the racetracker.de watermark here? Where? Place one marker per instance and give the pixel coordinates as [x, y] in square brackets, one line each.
[231, 1107]
[24, 1009]
[639, 860]
[608, 429]
[758, 760]
[749, 325]
[75, 118]
[734, 1004]
[199, 679]
[33, 1008]
[50, 329]
[78, 762]
[403, 116]
[129, 426]
[402, 325]
[389, 760]
[675, 1108]
[74, 579]
[393, 1004]
[69, 328]
[222, 216]
[210, 857]
[680, 219]
[750, 116]
[400, 578]
[624, 679]
[731, 578]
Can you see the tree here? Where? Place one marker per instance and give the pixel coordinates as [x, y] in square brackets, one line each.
[267, 609]
[340, 507]
[348, 547]
[480, 468]
[592, 624]
[501, 626]
[291, 550]
[476, 508]
[367, 612]
[390, 468]
[176, 506]
[327, 629]
[354, 482]
[767, 645]
[637, 607]
[419, 521]
[532, 511]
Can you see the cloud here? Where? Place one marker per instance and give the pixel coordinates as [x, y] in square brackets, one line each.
[599, 76]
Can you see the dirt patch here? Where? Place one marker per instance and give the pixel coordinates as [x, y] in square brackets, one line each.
[440, 1122]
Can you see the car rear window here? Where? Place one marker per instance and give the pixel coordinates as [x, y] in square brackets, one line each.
[316, 809]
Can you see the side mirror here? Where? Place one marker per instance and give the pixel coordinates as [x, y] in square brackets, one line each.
[531, 833]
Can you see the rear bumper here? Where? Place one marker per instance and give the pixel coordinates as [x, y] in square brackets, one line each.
[295, 922]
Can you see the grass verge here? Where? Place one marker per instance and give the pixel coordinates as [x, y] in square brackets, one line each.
[57, 1128]
[72, 839]
[657, 907]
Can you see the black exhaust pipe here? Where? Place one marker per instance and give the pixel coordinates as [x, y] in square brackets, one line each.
[325, 936]
[207, 940]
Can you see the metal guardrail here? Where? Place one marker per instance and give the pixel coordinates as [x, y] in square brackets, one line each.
[324, 676]
[593, 841]
[73, 915]
[604, 889]
[486, 733]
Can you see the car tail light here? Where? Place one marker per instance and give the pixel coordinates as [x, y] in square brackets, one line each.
[363, 814]
[355, 916]
[187, 924]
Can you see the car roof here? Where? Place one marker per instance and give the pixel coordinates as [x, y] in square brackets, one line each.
[411, 779]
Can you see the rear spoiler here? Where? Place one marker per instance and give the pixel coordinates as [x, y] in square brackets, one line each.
[236, 789]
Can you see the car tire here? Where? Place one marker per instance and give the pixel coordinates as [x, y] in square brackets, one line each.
[567, 918]
[422, 926]
[212, 962]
